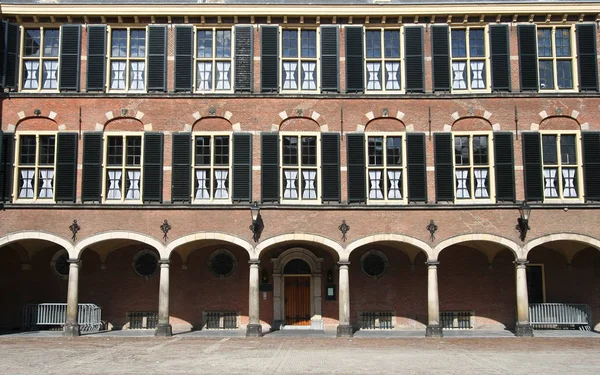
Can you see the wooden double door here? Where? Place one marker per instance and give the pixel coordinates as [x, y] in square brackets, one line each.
[297, 300]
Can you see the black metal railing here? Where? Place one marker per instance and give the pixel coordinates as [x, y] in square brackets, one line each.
[221, 319]
[456, 319]
[376, 320]
[142, 319]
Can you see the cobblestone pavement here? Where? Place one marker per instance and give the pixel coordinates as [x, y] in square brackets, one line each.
[285, 355]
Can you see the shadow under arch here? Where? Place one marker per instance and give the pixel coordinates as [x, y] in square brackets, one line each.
[483, 237]
[75, 253]
[591, 241]
[168, 250]
[424, 247]
[309, 238]
[37, 235]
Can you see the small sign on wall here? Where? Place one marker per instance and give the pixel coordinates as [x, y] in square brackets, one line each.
[330, 292]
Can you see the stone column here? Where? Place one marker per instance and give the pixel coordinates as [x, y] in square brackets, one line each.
[522, 328]
[163, 328]
[344, 329]
[254, 328]
[71, 327]
[434, 328]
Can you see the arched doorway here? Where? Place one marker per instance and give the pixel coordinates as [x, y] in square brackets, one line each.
[297, 290]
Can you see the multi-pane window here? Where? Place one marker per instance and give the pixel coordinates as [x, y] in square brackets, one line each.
[559, 158]
[555, 58]
[382, 51]
[386, 168]
[40, 59]
[299, 60]
[300, 167]
[472, 166]
[212, 168]
[35, 166]
[127, 59]
[469, 69]
[123, 168]
[213, 60]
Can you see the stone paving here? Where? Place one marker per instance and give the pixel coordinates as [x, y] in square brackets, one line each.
[297, 353]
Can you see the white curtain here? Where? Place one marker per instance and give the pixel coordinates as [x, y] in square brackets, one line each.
[308, 81]
[393, 76]
[462, 190]
[375, 182]
[550, 190]
[569, 190]
[202, 181]
[290, 191]
[223, 70]
[133, 190]
[480, 179]
[31, 70]
[114, 188]
[458, 68]
[289, 80]
[309, 191]
[50, 74]
[118, 75]
[221, 180]
[477, 68]
[136, 75]
[47, 176]
[204, 76]
[374, 79]
[394, 177]
[27, 183]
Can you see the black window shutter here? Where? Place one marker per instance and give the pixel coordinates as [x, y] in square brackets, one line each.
[153, 167]
[416, 167]
[444, 167]
[330, 159]
[500, 57]
[91, 185]
[181, 176]
[354, 59]
[96, 58]
[586, 57]
[414, 60]
[242, 167]
[269, 58]
[10, 69]
[357, 184]
[184, 52]
[440, 60]
[66, 167]
[244, 58]
[505, 167]
[6, 165]
[532, 166]
[70, 50]
[528, 62]
[269, 170]
[330, 69]
[3, 26]
[157, 58]
[591, 165]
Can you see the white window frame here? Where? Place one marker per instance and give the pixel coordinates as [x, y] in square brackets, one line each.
[559, 166]
[383, 60]
[212, 167]
[471, 167]
[39, 59]
[385, 168]
[214, 60]
[127, 59]
[123, 169]
[36, 167]
[300, 168]
[485, 58]
[554, 59]
[299, 59]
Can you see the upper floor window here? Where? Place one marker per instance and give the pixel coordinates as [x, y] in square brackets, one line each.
[123, 167]
[386, 168]
[35, 166]
[213, 60]
[473, 170]
[469, 68]
[560, 162]
[300, 170]
[555, 58]
[383, 58]
[127, 59]
[40, 59]
[299, 63]
[212, 168]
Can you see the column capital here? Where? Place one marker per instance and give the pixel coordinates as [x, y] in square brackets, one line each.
[521, 263]
[164, 263]
[75, 262]
[344, 263]
[252, 262]
[432, 263]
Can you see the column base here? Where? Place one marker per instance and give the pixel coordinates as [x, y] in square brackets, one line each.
[434, 331]
[254, 330]
[344, 331]
[71, 330]
[523, 330]
[163, 330]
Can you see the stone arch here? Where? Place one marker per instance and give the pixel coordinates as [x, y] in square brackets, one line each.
[559, 112]
[49, 119]
[38, 235]
[297, 237]
[117, 235]
[131, 120]
[424, 247]
[472, 123]
[212, 112]
[297, 253]
[168, 250]
[559, 122]
[385, 124]
[478, 113]
[385, 114]
[560, 237]
[509, 244]
[300, 113]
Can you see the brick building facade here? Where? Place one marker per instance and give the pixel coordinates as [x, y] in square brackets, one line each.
[388, 145]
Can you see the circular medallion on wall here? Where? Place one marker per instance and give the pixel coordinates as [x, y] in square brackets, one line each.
[60, 263]
[222, 263]
[374, 263]
[145, 263]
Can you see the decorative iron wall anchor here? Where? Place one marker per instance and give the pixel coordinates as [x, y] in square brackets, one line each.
[165, 228]
[432, 228]
[344, 228]
[74, 229]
